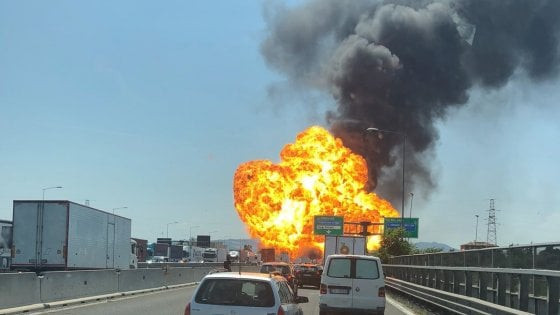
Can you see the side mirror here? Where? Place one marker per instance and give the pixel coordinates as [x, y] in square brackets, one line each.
[302, 299]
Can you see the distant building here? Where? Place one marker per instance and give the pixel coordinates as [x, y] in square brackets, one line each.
[476, 245]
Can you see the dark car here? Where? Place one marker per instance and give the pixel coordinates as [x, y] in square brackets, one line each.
[284, 270]
[308, 274]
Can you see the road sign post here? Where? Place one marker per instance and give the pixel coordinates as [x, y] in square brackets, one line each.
[410, 226]
[328, 225]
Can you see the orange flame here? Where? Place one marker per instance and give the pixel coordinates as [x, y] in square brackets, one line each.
[317, 175]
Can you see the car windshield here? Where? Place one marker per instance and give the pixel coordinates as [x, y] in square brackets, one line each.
[238, 292]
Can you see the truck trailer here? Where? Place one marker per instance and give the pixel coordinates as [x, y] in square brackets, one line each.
[63, 235]
[346, 245]
[5, 244]
[268, 255]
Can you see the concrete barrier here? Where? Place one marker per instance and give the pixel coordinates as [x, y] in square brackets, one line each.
[63, 285]
[18, 289]
[179, 276]
[137, 279]
[199, 273]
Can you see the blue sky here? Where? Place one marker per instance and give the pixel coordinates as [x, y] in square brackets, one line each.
[153, 106]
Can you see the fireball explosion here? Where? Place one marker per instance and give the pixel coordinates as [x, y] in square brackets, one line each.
[317, 175]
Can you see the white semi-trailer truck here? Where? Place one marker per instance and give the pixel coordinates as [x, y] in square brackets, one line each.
[63, 235]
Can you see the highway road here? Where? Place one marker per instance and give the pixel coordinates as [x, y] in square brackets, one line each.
[173, 302]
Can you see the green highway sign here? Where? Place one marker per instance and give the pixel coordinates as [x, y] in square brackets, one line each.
[410, 226]
[328, 225]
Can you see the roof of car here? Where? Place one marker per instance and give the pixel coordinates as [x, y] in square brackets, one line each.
[276, 263]
[353, 256]
[245, 275]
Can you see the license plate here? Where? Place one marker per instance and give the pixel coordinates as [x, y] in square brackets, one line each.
[307, 275]
[339, 291]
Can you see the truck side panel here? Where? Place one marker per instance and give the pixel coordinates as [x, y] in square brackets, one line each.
[87, 238]
[53, 240]
[122, 243]
[25, 234]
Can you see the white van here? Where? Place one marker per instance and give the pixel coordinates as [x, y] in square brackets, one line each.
[352, 283]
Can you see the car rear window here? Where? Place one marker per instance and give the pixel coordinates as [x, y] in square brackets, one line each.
[367, 269]
[271, 268]
[339, 268]
[308, 268]
[236, 292]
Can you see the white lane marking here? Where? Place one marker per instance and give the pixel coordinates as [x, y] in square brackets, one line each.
[398, 306]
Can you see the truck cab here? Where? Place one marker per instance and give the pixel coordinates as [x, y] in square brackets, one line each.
[210, 255]
[133, 254]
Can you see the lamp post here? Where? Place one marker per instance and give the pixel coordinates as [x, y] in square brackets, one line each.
[403, 135]
[476, 231]
[190, 240]
[168, 224]
[119, 208]
[411, 199]
[47, 188]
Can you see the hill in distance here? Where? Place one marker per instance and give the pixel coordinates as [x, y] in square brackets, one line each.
[425, 245]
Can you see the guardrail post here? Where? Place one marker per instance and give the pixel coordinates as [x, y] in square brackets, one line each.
[468, 283]
[483, 286]
[553, 295]
[427, 278]
[446, 281]
[523, 293]
[501, 289]
[456, 281]
[437, 278]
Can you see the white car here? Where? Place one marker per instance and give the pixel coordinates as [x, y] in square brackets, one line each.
[352, 283]
[234, 293]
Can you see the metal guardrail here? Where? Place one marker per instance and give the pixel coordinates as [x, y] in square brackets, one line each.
[531, 256]
[536, 291]
[448, 302]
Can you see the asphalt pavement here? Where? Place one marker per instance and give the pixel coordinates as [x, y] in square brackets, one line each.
[173, 302]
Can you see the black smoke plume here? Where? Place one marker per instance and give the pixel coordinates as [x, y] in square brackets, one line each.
[400, 65]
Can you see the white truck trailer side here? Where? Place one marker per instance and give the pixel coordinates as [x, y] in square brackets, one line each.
[63, 235]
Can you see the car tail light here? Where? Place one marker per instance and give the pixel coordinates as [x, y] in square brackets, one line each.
[323, 289]
[188, 309]
[381, 292]
[280, 310]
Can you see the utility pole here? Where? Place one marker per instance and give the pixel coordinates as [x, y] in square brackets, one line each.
[476, 231]
[491, 236]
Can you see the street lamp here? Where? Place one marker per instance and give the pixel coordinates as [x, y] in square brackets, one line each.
[476, 231]
[47, 188]
[190, 241]
[411, 199]
[175, 222]
[119, 208]
[403, 135]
